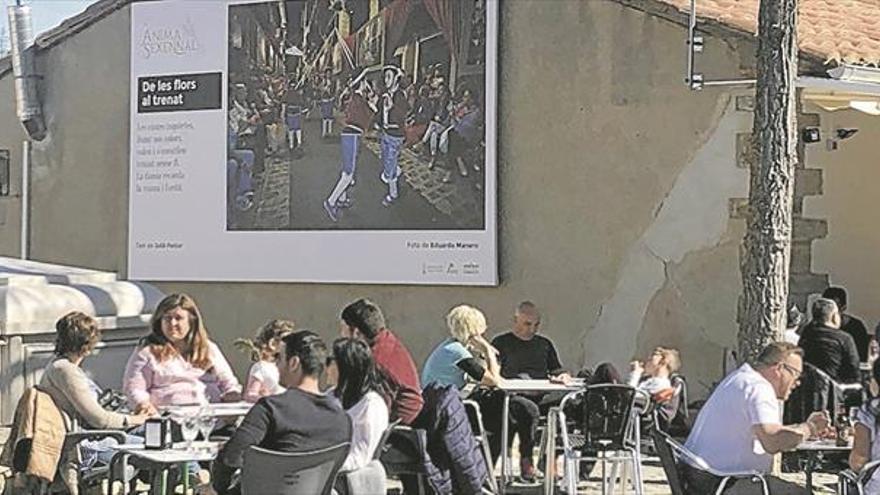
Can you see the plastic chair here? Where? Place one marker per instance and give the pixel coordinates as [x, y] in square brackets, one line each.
[267, 472]
[672, 452]
[608, 423]
[849, 482]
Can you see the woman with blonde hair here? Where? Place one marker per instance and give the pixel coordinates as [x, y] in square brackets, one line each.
[178, 363]
[465, 353]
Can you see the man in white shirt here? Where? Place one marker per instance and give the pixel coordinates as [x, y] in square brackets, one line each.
[740, 427]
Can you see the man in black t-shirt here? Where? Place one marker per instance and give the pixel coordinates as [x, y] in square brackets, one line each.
[300, 419]
[525, 354]
[849, 323]
[827, 347]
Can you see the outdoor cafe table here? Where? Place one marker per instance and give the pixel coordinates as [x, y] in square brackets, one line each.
[217, 409]
[509, 387]
[815, 450]
[159, 462]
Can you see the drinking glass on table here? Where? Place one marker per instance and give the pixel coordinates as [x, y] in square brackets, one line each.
[189, 428]
[207, 422]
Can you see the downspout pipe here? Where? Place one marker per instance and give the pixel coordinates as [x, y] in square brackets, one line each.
[28, 106]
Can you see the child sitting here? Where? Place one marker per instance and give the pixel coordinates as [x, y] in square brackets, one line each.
[263, 376]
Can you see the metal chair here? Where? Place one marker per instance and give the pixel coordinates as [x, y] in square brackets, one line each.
[476, 419]
[267, 472]
[70, 475]
[671, 453]
[850, 482]
[403, 454]
[608, 423]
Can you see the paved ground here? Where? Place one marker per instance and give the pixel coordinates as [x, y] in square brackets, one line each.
[655, 483]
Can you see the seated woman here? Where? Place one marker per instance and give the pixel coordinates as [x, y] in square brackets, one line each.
[63, 379]
[75, 394]
[453, 359]
[357, 389]
[866, 439]
[177, 363]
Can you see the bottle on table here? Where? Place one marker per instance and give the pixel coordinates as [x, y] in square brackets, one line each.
[842, 426]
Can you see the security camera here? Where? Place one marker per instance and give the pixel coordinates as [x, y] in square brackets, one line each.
[845, 133]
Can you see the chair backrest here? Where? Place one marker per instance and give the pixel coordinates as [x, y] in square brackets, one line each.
[267, 472]
[681, 388]
[608, 416]
[405, 451]
[663, 446]
[383, 441]
[475, 417]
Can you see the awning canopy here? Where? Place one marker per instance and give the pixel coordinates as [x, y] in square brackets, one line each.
[836, 94]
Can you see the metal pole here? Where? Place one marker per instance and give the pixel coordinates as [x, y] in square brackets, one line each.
[692, 25]
[25, 197]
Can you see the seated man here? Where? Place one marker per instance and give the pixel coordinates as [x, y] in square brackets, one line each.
[827, 347]
[524, 354]
[363, 320]
[849, 323]
[302, 418]
[740, 427]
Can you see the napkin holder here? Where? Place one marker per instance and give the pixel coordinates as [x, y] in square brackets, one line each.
[157, 434]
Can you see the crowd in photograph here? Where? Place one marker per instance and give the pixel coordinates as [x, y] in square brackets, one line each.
[404, 111]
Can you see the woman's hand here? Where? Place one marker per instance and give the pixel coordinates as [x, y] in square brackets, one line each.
[146, 408]
[483, 346]
[138, 419]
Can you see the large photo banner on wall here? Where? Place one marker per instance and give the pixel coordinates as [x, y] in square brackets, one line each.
[315, 141]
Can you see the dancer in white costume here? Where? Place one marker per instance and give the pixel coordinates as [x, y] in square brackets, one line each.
[394, 110]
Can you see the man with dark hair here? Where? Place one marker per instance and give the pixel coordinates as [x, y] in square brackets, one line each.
[849, 323]
[827, 347]
[743, 414]
[300, 419]
[364, 320]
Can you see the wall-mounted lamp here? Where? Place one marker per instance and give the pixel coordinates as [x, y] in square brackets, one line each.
[811, 135]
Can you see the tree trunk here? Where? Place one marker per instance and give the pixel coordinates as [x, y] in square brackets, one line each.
[767, 244]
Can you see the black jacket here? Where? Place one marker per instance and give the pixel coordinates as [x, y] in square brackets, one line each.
[832, 351]
[456, 464]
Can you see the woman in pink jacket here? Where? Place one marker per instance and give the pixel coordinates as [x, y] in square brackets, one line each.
[177, 363]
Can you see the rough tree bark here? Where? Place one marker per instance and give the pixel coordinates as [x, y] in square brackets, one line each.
[766, 249]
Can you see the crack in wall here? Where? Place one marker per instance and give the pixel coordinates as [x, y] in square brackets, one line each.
[693, 215]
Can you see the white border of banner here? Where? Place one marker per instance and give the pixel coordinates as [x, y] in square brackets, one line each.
[175, 236]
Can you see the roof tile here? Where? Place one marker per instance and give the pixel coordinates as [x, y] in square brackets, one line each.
[843, 31]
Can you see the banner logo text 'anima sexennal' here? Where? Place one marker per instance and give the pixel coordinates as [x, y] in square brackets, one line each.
[174, 41]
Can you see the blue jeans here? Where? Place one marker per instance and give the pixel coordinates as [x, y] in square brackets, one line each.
[349, 142]
[390, 154]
